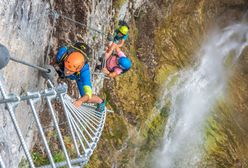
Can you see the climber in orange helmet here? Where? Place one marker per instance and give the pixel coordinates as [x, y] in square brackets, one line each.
[72, 63]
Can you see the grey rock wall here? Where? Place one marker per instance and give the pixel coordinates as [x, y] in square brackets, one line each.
[24, 30]
[25, 27]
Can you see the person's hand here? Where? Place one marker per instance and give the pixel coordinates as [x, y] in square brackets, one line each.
[77, 103]
[107, 54]
[104, 70]
[118, 48]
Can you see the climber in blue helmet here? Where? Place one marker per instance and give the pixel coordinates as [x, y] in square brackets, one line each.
[116, 64]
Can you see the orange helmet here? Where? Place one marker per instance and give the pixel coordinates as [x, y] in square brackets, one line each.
[74, 62]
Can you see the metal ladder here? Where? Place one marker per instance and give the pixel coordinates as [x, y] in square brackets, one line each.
[84, 124]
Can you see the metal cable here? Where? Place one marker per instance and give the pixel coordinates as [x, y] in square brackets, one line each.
[30, 65]
[55, 13]
[78, 114]
[17, 128]
[69, 123]
[31, 102]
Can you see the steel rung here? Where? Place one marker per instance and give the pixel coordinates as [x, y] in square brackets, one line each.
[64, 163]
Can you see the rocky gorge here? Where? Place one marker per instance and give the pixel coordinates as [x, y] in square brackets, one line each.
[165, 37]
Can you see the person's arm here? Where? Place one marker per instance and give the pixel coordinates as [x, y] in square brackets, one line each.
[119, 52]
[110, 50]
[120, 44]
[112, 74]
[118, 49]
[105, 70]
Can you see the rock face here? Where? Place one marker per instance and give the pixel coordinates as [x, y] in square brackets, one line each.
[24, 30]
[227, 133]
[164, 38]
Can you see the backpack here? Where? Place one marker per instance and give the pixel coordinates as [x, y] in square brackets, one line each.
[80, 47]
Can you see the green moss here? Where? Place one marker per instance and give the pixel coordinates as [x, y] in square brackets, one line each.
[163, 73]
[40, 158]
[118, 133]
[153, 135]
[58, 156]
[108, 100]
[222, 141]
[212, 135]
[229, 59]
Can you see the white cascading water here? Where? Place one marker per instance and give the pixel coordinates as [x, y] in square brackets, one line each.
[195, 94]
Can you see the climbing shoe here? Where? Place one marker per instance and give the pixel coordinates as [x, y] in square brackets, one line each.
[101, 106]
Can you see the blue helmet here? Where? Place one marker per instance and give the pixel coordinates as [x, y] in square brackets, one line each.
[125, 63]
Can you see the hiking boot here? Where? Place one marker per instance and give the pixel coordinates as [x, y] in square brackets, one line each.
[101, 106]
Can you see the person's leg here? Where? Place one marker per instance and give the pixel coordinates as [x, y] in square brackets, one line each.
[95, 99]
[108, 47]
[101, 103]
[110, 50]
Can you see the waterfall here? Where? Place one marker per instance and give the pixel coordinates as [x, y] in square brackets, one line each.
[195, 94]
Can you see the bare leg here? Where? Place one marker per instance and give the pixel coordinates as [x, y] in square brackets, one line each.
[110, 50]
[95, 99]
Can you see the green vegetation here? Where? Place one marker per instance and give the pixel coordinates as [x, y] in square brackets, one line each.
[23, 164]
[39, 159]
[39, 154]
[222, 141]
[58, 156]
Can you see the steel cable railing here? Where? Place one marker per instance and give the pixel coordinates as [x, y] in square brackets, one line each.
[84, 126]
